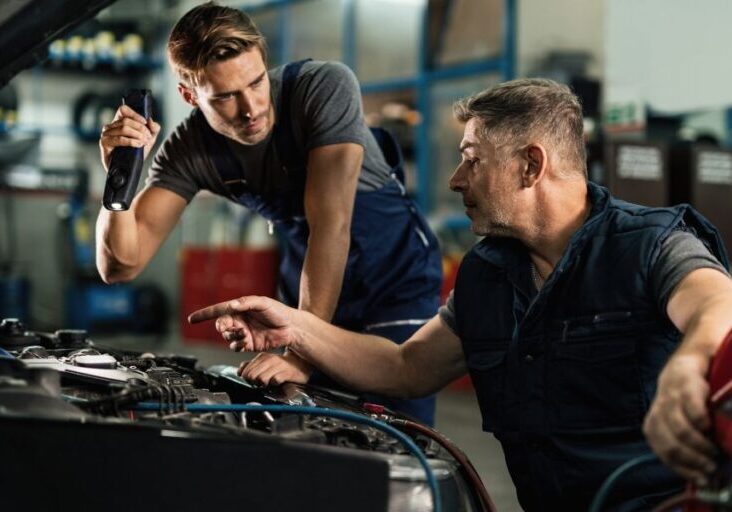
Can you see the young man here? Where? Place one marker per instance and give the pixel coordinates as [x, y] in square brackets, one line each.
[564, 314]
[291, 144]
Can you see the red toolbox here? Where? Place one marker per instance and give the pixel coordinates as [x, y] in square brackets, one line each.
[211, 275]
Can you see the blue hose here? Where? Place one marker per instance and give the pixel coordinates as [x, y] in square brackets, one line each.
[611, 480]
[320, 411]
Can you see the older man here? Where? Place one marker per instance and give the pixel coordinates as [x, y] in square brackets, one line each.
[564, 314]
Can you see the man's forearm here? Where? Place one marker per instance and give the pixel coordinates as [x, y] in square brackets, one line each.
[117, 245]
[708, 327]
[358, 361]
[323, 269]
[678, 421]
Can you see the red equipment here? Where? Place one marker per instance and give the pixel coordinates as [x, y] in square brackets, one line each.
[718, 496]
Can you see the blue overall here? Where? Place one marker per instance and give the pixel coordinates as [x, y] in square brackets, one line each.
[393, 274]
[565, 376]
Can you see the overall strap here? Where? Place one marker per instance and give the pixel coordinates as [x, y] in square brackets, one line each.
[391, 150]
[284, 136]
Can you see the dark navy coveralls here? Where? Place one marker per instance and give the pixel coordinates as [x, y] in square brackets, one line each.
[565, 377]
[393, 274]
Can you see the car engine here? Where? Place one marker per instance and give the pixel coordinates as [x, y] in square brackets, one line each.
[85, 427]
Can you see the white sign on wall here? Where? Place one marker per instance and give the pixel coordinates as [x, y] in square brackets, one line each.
[714, 167]
[639, 163]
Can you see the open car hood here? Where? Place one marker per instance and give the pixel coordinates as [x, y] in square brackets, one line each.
[27, 27]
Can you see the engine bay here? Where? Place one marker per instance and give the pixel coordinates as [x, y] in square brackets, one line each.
[83, 412]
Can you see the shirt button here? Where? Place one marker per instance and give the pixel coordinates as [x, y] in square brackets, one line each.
[528, 358]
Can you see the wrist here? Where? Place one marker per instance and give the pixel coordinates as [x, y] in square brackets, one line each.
[698, 350]
[687, 362]
[299, 321]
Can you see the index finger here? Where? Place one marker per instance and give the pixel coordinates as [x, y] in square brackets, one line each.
[240, 305]
[210, 312]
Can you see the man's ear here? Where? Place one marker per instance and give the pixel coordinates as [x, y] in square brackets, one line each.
[187, 94]
[535, 164]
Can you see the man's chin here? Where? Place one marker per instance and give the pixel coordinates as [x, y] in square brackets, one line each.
[494, 230]
[250, 139]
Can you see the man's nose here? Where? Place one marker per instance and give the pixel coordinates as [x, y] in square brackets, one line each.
[457, 180]
[246, 105]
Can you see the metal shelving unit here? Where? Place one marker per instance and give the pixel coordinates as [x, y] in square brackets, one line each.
[426, 77]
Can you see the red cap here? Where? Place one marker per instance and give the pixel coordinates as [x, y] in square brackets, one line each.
[374, 408]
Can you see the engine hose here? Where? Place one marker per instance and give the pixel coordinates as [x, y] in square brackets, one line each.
[111, 404]
[611, 480]
[466, 466]
[322, 411]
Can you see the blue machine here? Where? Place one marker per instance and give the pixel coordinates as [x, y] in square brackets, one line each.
[98, 307]
[15, 297]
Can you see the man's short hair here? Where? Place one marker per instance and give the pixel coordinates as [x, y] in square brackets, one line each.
[210, 33]
[527, 110]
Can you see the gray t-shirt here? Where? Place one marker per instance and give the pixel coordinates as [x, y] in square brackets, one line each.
[326, 109]
[680, 253]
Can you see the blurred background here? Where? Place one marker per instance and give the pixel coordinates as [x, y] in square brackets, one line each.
[652, 76]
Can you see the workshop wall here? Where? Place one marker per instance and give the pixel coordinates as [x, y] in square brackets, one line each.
[48, 98]
[670, 53]
[560, 25]
[387, 47]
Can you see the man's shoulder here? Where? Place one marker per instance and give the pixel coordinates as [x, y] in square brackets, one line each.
[657, 223]
[630, 216]
[315, 69]
[185, 128]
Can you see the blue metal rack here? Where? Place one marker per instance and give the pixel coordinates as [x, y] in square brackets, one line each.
[421, 82]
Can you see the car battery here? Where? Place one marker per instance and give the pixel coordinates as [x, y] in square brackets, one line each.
[637, 172]
[702, 177]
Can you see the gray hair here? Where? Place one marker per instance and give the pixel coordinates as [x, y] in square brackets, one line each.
[514, 112]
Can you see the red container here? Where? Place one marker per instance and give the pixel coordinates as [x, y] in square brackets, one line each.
[215, 275]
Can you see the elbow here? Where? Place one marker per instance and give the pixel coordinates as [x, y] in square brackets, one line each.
[114, 272]
[113, 278]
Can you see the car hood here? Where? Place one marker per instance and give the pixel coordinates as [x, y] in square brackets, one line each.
[27, 27]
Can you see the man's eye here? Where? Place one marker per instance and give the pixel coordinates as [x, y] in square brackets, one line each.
[224, 98]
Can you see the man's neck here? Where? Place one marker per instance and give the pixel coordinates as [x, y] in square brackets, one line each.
[556, 221]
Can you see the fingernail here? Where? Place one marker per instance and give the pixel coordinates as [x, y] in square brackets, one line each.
[701, 481]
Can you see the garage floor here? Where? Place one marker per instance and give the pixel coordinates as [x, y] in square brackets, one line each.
[458, 417]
